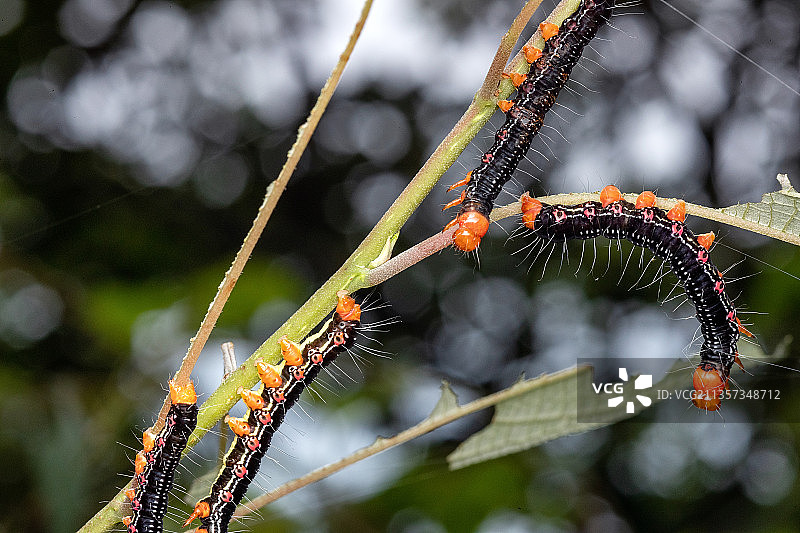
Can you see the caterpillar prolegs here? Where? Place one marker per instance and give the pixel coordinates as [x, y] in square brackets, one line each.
[536, 94]
[155, 464]
[280, 388]
[665, 234]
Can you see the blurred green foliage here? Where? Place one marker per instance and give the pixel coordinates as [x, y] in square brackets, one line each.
[105, 275]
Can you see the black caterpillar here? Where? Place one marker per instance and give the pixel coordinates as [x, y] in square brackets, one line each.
[665, 234]
[536, 94]
[281, 387]
[155, 464]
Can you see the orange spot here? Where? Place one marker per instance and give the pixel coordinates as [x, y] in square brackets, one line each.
[127, 520]
[148, 440]
[472, 226]
[743, 329]
[646, 199]
[515, 77]
[200, 530]
[460, 183]
[505, 105]
[130, 494]
[291, 352]
[347, 308]
[738, 361]
[532, 54]
[456, 201]
[269, 376]
[183, 394]
[238, 425]
[530, 209]
[708, 386]
[140, 463]
[609, 195]
[252, 399]
[678, 212]
[548, 30]
[201, 510]
[706, 239]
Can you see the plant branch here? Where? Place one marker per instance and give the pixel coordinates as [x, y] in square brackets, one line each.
[112, 511]
[352, 275]
[434, 421]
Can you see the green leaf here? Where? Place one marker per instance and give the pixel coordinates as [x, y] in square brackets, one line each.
[535, 411]
[545, 409]
[777, 210]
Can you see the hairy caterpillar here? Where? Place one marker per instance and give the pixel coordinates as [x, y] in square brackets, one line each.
[281, 386]
[155, 464]
[665, 234]
[536, 94]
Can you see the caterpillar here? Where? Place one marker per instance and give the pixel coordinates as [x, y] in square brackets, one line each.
[536, 94]
[155, 464]
[665, 234]
[280, 388]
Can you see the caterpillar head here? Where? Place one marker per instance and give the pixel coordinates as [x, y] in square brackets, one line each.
[346, 307]
[182, 393]
[531, 208]
[472, 226]
[710, 380]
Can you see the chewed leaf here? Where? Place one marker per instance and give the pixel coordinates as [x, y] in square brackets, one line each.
[777, 210]
[545, 409]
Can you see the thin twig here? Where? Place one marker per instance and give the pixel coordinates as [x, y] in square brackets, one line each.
[426, 426]
[113, 510]
[433, 244]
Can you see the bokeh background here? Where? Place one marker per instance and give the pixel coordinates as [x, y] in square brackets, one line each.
[136, 142]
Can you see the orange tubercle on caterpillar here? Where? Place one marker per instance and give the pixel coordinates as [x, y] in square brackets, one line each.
[251, 399]
[609, 195]
[140, 463]
[456, 201]
[183, 394]
[708, 386]
[678, 212]
[548, 30]
[130, 494]
[291, 352]
[460, 183]
[532, 54]
[646, 199]
[201, 510]
[515, 77]
[238, 425]
[270, 377]
[530, 209]
[472, 226]
[148, 440]
[505, 105]
[706, 240]
[744, 331]
[347, 308]
[127, 520]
